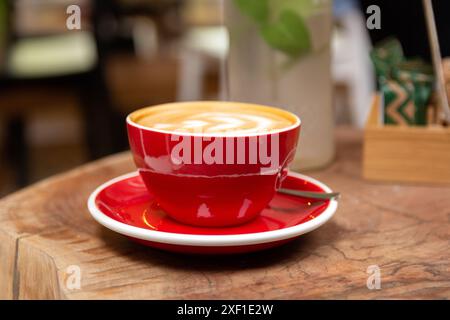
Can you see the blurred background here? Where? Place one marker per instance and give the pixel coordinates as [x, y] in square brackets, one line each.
[64, 94]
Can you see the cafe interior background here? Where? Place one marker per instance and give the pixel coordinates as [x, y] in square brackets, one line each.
[64, 94]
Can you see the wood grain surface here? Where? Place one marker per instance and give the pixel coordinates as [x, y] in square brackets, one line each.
[403, 229]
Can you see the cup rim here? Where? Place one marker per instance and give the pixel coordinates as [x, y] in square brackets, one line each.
[197, 134]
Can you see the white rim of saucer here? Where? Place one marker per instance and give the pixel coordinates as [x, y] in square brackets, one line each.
[210, 240]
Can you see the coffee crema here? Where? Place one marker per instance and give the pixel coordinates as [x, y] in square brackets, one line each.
[214, 118]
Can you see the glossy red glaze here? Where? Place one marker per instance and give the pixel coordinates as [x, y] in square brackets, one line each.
[211, 195]
[129, 202]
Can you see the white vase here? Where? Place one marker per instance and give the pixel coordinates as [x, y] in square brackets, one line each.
[258, 73]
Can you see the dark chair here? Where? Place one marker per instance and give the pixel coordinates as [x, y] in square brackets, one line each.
[101, 126]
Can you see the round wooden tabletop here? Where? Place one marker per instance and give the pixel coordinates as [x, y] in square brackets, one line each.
[397, 234]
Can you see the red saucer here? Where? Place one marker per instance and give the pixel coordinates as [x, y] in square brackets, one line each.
[125, 206]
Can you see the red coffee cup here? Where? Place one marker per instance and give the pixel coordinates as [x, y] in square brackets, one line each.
[212, 180]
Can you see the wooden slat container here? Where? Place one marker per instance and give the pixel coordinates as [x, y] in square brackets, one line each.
[405, 154]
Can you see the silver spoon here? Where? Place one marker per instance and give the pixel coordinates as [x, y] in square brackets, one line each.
[310, 194]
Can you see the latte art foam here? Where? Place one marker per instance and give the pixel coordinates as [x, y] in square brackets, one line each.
[215, 118]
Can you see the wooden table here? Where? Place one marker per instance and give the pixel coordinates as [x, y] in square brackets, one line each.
[402, 229]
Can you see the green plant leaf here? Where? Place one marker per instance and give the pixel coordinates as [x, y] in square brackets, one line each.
[256, 9]
[304, 7]
[289, 34]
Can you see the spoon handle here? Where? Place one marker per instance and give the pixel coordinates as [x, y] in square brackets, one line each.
[309, 194]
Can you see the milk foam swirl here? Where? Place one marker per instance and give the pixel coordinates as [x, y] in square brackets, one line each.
[214, 119]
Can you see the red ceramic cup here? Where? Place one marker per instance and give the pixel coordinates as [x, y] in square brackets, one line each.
[212, 180]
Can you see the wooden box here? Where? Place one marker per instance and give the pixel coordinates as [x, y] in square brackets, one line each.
[405, 154]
